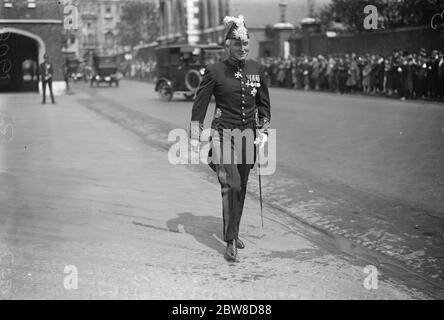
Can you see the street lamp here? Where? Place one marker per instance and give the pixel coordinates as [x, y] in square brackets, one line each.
[283, 8]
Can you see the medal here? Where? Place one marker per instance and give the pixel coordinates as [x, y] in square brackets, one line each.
[238, 75]
[253, 92]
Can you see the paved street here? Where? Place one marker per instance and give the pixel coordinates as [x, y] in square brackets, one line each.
[365, 168]
[87, 183]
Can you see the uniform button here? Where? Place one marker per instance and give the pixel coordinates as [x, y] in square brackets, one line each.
[242, 82]
[243, 89]
[243, 113]
[243, 108]
[243, 120]
[243, 101]
[243, 95]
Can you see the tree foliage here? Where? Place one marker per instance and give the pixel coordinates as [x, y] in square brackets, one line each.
[391, 13]
[139, 21]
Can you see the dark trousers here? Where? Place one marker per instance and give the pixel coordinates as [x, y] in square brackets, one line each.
[49, 82]
[233, 178]
[233, 181]
[342, 82]
[401, 82]
[67, 83]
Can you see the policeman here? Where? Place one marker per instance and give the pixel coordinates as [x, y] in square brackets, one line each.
[242, 111]
[47, 72]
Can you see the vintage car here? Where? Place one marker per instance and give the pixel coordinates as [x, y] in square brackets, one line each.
[180, 68]
[104, 69]
[74, 70]
[72, 66]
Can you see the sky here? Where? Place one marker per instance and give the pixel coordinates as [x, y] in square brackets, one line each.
[258, 13]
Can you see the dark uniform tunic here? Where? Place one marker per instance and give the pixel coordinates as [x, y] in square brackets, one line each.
[242, 101]
[47, 72]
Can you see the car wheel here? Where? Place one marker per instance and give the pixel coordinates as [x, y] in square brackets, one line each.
[192, 80]
[165, 92]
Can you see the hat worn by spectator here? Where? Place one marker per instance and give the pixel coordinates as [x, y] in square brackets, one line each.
[235, 28]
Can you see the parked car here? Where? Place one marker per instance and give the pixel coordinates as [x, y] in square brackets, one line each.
[104, 70]
[180, 68]
[73, 69]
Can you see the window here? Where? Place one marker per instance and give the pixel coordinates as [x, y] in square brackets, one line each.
[91, 40]
[31, 4]
[162, 57]
[89, 8]
[108, 23]
[109, 39]
[108, 15]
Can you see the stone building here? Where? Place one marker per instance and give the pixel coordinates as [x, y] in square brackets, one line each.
[280, 17]
[201, 21]
[98, 26]
[192, 21]
[28, 30]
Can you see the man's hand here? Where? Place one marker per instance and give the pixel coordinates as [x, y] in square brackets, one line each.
[261, 139]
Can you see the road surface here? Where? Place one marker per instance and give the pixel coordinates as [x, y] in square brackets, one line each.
[86, 183]
[369, 169]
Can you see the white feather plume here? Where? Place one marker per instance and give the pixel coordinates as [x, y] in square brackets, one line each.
[241, 32]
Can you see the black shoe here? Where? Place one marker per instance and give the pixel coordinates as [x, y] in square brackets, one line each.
[231, 251]
[240, 244]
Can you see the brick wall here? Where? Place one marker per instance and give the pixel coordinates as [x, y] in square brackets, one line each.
[411, 39]
[49, 32]
[51, 36]
[45, 9]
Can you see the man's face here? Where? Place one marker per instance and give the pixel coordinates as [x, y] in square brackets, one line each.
[238, 49]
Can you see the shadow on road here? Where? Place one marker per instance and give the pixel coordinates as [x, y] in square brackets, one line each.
[203, 228]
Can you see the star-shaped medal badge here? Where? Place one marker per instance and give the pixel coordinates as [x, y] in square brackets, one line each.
[238, 75]
[253, 92]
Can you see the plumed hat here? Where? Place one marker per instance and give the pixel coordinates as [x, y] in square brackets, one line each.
[235, 28]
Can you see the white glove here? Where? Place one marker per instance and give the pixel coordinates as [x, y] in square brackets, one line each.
[195, 143]
[261, 139]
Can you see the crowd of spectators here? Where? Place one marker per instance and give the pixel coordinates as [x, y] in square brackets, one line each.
[139, 70]
[406, 75]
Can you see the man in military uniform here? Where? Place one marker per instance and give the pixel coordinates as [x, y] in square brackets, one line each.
[242, 107]
[47, 72]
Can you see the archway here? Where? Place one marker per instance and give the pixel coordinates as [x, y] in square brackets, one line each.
[23, 51]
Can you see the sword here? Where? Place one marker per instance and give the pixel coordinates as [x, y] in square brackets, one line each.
[265, 125]
[260, 184]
